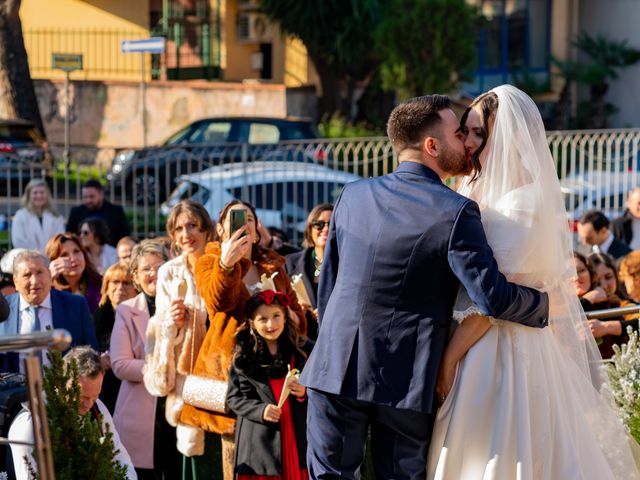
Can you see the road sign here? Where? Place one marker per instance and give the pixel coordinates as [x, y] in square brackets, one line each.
[66, 61]
[146, 45]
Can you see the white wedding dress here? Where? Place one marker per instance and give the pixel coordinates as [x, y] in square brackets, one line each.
[523, 405]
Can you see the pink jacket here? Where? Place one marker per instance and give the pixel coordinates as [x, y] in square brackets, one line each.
[134, 416]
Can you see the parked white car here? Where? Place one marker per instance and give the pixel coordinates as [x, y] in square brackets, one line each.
[598, 190]
[282, 192]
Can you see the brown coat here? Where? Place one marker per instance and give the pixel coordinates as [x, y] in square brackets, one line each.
[225, 296]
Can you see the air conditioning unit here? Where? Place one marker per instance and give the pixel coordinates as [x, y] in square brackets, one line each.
[253, 28]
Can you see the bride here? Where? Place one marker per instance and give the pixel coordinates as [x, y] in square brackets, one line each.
[525, 404]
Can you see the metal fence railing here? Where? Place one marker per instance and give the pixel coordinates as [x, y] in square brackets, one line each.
[284, 181]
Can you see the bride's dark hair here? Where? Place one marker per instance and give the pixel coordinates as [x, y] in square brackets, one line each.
[488, 103]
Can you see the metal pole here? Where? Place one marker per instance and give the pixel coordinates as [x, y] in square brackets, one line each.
[67, 123]
[613, 312]
[42, 450]
[143, 90]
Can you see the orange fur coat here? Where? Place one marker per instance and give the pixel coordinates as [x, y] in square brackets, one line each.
[225, 296]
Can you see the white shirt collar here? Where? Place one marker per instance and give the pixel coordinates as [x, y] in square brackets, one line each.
[45, 304]
[604, 247]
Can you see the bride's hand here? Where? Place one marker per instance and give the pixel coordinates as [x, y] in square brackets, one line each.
[446, 375]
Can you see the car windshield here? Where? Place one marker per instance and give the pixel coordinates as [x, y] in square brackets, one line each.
[188, 190]
[18, 133]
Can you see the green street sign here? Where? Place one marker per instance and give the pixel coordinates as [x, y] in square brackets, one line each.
[66, 61]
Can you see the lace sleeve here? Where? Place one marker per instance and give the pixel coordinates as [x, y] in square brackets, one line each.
[465, 308]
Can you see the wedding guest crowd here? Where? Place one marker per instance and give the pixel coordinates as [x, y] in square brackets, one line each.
[215, 308]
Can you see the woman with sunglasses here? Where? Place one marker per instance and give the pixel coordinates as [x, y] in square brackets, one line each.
[308, 262]
[94, 236]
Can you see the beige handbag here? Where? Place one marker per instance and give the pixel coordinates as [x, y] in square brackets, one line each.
[203, 392]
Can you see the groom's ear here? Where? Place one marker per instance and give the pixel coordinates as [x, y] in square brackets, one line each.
[431, 146]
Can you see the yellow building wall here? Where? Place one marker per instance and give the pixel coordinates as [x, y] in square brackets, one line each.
[290, 63]
[93, 28]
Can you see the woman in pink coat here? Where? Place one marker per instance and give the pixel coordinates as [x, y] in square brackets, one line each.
[139, 416]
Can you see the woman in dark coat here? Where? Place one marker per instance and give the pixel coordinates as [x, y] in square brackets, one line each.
[308, 262]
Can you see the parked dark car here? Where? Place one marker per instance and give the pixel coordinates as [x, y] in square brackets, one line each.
[149, 174]
[24, 154]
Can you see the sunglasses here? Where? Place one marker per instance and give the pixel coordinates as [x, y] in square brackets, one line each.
[319, 225]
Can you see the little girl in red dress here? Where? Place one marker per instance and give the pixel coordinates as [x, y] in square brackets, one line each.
[270, 441]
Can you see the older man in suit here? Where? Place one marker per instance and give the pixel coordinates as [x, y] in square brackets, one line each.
[399, 247]
[37, 307]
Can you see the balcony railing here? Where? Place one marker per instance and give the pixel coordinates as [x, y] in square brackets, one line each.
[192, 52]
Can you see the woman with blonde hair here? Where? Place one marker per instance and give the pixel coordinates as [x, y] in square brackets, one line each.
[38, 220]
[176, 331]
[117, 286]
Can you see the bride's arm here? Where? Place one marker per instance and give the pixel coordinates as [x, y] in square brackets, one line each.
[465, 336]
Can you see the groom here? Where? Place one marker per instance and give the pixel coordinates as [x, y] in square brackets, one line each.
[399, 247]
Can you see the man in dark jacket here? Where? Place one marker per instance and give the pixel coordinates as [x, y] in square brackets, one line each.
[593, 231]
[94, 205]
[627, 227]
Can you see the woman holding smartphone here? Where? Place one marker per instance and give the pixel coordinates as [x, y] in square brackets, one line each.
[226, 276]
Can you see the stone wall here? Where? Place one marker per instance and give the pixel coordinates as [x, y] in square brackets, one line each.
[107, 114]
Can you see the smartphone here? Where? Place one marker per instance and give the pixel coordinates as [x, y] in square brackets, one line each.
[238, 220]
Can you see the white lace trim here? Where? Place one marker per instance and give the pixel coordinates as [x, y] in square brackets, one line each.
[461, 315]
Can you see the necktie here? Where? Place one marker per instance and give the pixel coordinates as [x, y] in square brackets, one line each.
[36, 328]
[36, 318]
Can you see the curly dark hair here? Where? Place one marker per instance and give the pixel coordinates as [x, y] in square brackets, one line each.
[251, 355]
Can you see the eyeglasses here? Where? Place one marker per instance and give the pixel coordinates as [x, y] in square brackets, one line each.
[149, 270]
[83, 233]
[319, 225]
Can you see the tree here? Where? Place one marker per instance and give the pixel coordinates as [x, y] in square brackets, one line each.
[606, 59]
[80, 451]
[426, 45]
[338, 35]
[17, 95]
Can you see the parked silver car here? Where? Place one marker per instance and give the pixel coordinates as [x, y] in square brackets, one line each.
[282, 192]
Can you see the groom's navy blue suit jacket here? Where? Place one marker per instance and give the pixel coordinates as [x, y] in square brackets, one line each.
[399, 247]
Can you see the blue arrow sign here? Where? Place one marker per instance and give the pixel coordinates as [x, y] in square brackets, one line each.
[147, 45]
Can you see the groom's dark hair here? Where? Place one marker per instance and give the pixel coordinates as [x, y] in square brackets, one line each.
[411, 121]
